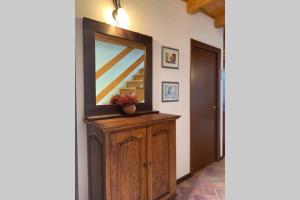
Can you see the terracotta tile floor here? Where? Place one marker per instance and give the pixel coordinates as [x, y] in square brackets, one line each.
[207, 184]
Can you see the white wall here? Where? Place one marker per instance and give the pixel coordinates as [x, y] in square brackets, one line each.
[169, 25]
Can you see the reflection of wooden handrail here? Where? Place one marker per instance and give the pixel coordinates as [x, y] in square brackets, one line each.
[112, 62]
[118, 80]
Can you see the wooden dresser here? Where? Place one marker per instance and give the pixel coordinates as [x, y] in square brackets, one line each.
[132, 158]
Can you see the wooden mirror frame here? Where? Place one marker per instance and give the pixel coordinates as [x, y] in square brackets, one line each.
[90, 27]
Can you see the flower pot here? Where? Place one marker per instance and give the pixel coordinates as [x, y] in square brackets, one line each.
[129, 109]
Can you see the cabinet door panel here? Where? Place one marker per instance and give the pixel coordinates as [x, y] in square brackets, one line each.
[128, 172]
[162, 142]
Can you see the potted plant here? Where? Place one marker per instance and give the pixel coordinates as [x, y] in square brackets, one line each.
[127, 102]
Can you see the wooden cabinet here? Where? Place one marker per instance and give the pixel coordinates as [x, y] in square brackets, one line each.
[132, 158]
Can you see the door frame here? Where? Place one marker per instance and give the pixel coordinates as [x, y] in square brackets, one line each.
[201, 45]
[223, 98]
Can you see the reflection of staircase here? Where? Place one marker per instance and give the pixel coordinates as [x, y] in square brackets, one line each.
[135, 86]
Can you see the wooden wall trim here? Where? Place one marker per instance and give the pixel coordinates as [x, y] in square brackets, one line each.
[185, 177]
[112, 62]
[118, 80]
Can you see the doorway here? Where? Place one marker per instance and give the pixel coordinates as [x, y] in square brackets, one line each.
[204, 104]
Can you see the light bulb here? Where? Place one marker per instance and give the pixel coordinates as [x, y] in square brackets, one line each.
[122, 18]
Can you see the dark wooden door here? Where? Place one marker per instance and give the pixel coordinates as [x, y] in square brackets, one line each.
[161, 153]
[204, 105]
[129, 165]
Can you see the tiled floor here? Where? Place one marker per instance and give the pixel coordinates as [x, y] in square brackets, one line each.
[207, 184]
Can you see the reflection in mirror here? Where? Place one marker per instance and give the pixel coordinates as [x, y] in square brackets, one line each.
[119, 68]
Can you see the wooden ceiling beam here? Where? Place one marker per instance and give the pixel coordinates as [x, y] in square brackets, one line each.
[194, 6]
[220, 21]
[213, 8]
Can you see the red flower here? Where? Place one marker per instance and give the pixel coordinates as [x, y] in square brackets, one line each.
[115, 99]
[124, 100]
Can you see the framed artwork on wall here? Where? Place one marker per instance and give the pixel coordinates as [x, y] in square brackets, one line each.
[170, 91]
[170, 58]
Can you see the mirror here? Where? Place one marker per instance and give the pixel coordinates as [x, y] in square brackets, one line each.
[116, 62]
[119, 68]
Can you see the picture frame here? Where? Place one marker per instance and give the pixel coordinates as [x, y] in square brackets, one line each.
[170, 91]
[169, 57]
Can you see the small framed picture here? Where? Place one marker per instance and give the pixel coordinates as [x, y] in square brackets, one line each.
[170, 58]
[170, 91]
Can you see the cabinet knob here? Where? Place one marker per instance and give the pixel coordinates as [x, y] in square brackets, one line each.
[145, 164]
